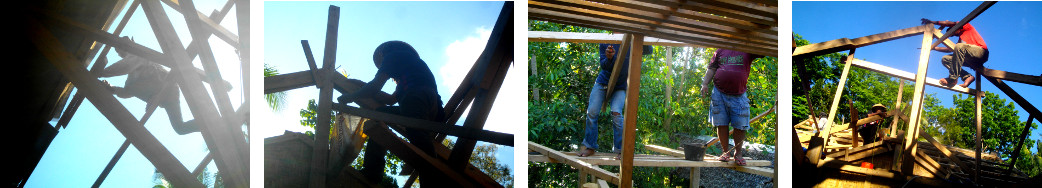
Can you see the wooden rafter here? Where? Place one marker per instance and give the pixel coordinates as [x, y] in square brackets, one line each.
[912, 132]
[575, 163]
[107, 104]
[219, 138]
[838, 45]
[411, 154]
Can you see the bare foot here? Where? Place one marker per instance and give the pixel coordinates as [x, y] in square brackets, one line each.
[966, 83]
[944, 82]
[587, 152]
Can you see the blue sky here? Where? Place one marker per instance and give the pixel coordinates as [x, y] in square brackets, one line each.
[449, 37]
[1006, 27]
[79, 153]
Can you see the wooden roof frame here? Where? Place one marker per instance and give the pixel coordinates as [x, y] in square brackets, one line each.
[994, 76]
[480, 87]
[741, 25]
[226, 141]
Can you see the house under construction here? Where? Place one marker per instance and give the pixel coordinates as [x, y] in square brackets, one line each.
[59, 39]
[834, 152]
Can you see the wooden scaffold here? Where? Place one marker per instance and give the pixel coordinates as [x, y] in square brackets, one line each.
[477, 91]
[743, 25]
[900, 157]
[67, 35]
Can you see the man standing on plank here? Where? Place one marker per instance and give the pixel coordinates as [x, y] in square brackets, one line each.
[971, 51]
[729, 71]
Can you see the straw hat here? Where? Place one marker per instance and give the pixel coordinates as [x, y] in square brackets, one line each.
[878, 106]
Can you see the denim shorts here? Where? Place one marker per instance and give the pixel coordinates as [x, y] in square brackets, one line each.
[729, 110]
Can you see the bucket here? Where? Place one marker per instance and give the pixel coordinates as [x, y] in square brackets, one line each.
[694, 151]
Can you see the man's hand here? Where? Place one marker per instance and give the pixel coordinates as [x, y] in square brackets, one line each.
[926, 21]
[705, 90]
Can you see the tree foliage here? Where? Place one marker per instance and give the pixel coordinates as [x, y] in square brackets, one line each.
[953, 126]
[566, 73]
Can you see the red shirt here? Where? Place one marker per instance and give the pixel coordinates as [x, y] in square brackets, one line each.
[970, 36]
[732, 70]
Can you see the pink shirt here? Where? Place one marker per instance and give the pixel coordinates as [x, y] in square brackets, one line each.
[732, 70]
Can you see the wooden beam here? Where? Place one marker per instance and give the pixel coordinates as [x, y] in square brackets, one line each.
[843, 165]
[219, 139]
[554, 155]
[380, 134]
[676, 11]
[979, 145]
[838, 45]
[897, 106]
[210, 25]
[1020, 100]
[616, 69]
[958, 25]
[929, 164]
[429, 126]
[695, 176]
[242, 13]
[600, 23]
[320, 157]
[1020, 143]
[1016, 77]
[498, 52]
[912, 132]
[202, 165]
[107, 104]
[657, 162]
[816, 150]
[219, 91]
[630, 118]
[603, 38]
[864, 148]
[654, 22]
[908, 76]
[112, 163]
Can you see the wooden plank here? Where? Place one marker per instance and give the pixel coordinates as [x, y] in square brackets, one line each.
[864, 148]
[598, 23]
[320, 157]
[219, 139]
[112, 163]
[242, 13]
[616, 69]
[853, 115]
[429, 126]
[929, 164]
[630, 118]
[707, 161]
[1016, 97]
[815, 150]
[675, 12]
[575, 163]
[1016, 77]
[761, 171]
[838, 45]
[220, 91]
[695, 176]
[121, 118]
[700, 7]
[843, 165]
[912, 132]
[908, 76]
[603, 38]
[499, 53]
[897, 106]
[655, 22]
[412, 155]
[211, 25]
[958, 25]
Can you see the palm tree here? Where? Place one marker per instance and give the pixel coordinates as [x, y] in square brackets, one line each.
[277, 101]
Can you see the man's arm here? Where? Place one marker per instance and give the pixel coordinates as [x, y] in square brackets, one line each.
[121, 67]
[942, 49]
[945, 23]
[710, 73]
[367, 91]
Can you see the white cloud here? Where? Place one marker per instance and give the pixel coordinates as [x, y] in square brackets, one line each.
[509, 111]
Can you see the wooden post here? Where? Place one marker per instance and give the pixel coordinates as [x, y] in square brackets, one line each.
[695, 176]
[978, 145]
[853, 123]
[535, 72]
[815, 151]
[897, 106]
[912, 133]
[669, 88]
[632, 105]
[325, 97]
[626, 44]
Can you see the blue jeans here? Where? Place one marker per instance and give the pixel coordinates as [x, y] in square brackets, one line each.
[618, 99]
[730, 110]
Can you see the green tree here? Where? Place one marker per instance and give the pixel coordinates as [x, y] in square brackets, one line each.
[566, 72]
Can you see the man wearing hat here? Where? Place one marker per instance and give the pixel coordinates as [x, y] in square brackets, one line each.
[869, 131]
